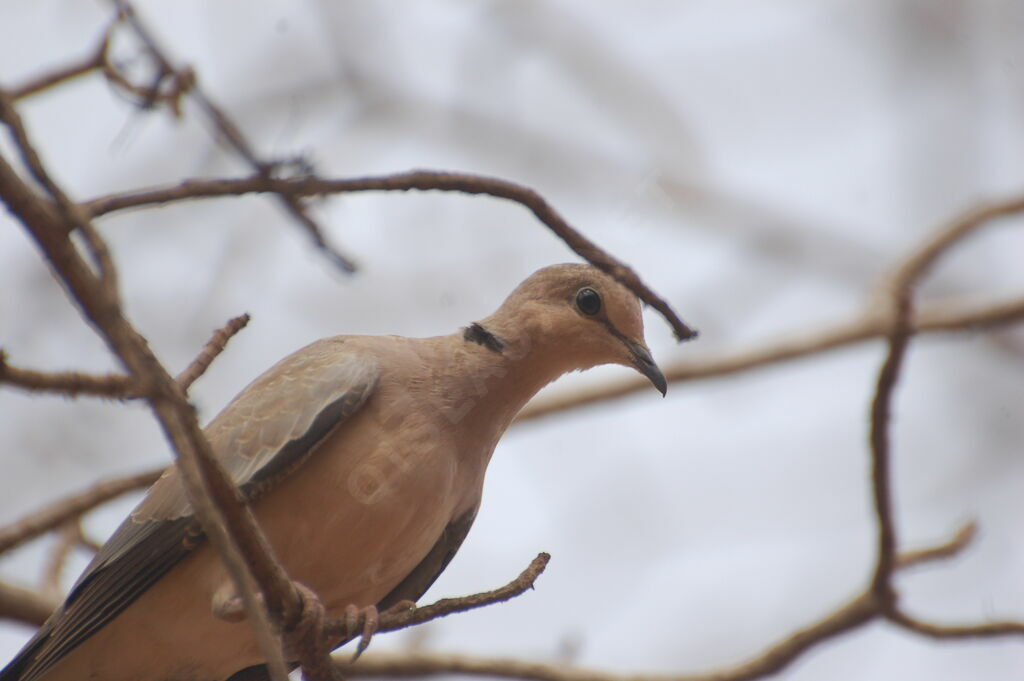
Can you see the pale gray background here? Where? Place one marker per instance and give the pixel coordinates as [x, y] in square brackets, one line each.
[761, 164]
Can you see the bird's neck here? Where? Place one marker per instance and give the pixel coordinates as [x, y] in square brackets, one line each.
[499, 373]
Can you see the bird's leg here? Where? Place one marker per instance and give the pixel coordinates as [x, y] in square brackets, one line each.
[370, 619]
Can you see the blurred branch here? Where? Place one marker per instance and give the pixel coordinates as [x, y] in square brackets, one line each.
[96, 60]
[791, 346]
[115, 386]
[861, 610]
[70, 383]
[69, 536]
[213, 497]
[964, 536]
[232, 135]
[899, 299]
[69, 508]
[417, 180]
[24, 605]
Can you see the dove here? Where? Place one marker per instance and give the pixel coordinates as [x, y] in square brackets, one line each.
[363, 461]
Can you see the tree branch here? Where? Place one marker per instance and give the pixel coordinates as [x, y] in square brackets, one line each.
[213, 347]
[394, 620]
[233, 136]
[861, 610]
[791, 346]
[96, 60]
[211, 494]
[70, 383]
[900, 305]
[24, 605]
[69, 508]
[417, 180]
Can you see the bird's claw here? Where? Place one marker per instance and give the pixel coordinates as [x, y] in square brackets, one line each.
[305, 639]
[370, 618]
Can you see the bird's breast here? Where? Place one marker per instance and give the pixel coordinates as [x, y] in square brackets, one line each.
[360, 515]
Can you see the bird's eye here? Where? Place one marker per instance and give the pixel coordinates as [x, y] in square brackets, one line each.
[588, 301]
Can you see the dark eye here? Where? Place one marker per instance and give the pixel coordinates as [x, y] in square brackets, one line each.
[588, 301]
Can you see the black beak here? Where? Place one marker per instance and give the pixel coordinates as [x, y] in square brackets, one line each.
[644, 363]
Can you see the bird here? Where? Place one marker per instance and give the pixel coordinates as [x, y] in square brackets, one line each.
[363, 461]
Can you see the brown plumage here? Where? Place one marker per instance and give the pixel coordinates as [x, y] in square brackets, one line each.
[363, 458]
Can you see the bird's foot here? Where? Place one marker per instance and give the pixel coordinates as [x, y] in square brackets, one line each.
[305, 641]
[369, 617]
[227, 605]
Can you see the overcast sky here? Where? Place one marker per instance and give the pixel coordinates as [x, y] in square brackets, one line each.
[762, 165]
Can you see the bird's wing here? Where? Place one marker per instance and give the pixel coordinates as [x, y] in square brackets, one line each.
[264, 434]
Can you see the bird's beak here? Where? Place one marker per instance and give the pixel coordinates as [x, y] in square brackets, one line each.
[644, 363]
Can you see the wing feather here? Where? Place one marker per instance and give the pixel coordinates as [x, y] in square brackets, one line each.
[264, 434]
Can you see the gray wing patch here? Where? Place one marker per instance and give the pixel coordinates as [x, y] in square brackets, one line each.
[265, 433]
[270, 428]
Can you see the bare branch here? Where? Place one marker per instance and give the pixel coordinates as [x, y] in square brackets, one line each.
[881, 482]
[852, 615]
[24, 605]
[945, 631]
[233, 136]
[69, 383]
[74, 217]
[69, 508]
[862, 609]
[792, 346]
[69, 536]
[900, 301]
[215, 500]
[964, 536]
[416, 180]
[115, 386]
[394, 620]
[213, 347]
[96, 60]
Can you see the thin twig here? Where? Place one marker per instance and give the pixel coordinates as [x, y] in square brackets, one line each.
[68, 537]
[213, 347]
[791, 346]
[948, 631]
[56, 514]
[964, 536]
[232, 134]
[69, 383]
[401, 619]
[75, 217]
[95, 60]
[115, 386]
[418, 181]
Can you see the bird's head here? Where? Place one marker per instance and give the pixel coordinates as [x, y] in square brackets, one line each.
[578, 317]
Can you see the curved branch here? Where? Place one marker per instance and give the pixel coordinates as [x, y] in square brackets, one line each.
[416, 180]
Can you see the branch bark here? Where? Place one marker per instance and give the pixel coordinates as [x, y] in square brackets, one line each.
[421, 180]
